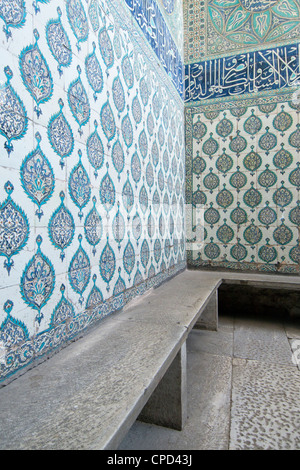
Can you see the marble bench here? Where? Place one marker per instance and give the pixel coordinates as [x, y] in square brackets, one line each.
[131, 365]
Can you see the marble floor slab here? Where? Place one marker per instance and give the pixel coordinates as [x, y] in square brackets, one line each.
[243, 390]
[261, 339]
[213, 342]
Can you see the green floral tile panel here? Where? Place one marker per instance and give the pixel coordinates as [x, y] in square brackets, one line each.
[245, 179]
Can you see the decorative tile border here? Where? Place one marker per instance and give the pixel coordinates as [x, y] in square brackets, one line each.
[245, 100]
[240, 266]
[218, 28]
[194, 22]
[232, 77]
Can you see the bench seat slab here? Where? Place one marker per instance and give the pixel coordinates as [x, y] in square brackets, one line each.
[209, 318]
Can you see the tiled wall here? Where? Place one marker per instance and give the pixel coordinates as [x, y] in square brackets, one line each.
[92, 169]
[242, 134]
[217, 28]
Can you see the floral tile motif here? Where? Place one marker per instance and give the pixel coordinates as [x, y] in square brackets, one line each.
[13, 117]
[38, 281]
[36, 74]
[14, 226]
[37, 177]
[58, 42]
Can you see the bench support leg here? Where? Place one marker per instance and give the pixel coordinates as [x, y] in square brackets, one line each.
[167, 405]
[209, 317]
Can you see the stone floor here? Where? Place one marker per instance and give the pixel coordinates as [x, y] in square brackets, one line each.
[243, 390]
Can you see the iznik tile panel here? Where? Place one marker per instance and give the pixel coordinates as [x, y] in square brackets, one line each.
[92, 170]
[216, 28]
